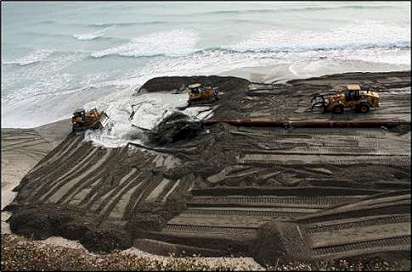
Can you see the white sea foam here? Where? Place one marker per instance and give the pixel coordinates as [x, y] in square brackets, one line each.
[356, 35]
[175, 42]
[45, 78]
[92, 35]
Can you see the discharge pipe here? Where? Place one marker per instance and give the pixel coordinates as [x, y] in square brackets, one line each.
[266, 122]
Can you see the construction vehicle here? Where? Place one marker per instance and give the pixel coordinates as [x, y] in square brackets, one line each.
[351, 96]
[92, 119]
[199, 94]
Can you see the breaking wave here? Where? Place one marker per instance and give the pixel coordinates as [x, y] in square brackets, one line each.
[367, 35]
[283, 9]
[174, 43]
[128, 24]
[92, 35]
[363, 35]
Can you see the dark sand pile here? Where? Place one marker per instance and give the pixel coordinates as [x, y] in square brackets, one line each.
[212, 191]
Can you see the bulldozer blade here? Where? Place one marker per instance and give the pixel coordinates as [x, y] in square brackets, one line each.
[104, 119]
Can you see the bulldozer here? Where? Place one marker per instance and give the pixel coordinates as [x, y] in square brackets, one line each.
[351, 96]
[92, 119]
[199, 94]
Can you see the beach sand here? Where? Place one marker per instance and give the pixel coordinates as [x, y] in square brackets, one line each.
[22, 149]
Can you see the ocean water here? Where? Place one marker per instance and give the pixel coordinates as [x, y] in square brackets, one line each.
[58, 56]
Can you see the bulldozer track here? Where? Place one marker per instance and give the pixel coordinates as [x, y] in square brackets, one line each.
[395, 243]
[292, 201]
[13, 138]
[226, 221]
[35, 151]
[218, 231]
[254, 213]
[86, 157]
[49, 165]
[277, 159]
[314, 133]
[329, 151]
[107, 210]
[97, 205]
[376, 205]
[53, 185]
[312, 228]
[48, 176]
[89, 179]
[299, 192]
[23, 144]
[58, 192]
[22, 133]
[59, 152]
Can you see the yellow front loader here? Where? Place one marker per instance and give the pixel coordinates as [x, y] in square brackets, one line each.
[349, 97]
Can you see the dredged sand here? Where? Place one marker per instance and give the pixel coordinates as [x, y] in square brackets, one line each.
[22, 149]
[296, 92]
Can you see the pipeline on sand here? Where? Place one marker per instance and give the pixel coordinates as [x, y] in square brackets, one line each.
[266, 122]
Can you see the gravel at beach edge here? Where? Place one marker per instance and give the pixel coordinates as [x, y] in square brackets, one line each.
[20, 253]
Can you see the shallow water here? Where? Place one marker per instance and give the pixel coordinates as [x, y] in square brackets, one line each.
[60, 56]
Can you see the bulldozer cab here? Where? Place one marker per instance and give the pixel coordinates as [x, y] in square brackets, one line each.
[80, 113]
[352, 95]
[195, 88]
[353, 87]
[352, 92]
[92, 119]
[199, 94]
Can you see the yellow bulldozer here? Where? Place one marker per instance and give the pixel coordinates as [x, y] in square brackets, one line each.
[351, 96]
[92, 119]
[199, 94]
